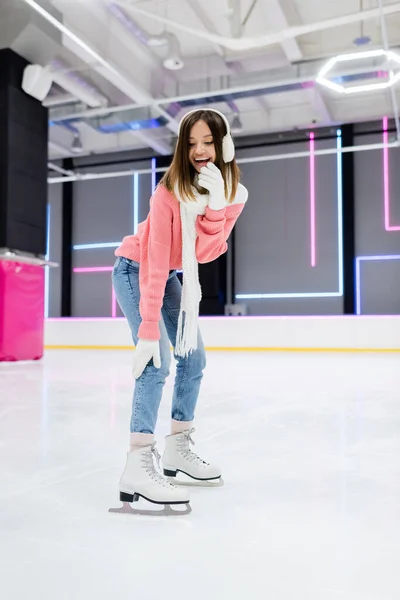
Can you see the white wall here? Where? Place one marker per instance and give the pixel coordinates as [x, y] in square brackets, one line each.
[244, 333]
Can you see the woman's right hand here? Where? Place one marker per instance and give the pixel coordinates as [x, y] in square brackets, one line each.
[146, 350]
[211, 179]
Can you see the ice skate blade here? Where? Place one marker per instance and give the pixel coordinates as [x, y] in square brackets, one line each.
[189, 482]
[167, 511]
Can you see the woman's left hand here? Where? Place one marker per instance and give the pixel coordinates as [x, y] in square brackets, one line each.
[211, 179]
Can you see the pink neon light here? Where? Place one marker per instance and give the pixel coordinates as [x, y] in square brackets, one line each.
[101, 270]
[76, 319]
[245, 318]
[386, 186]
[113, 303]
[92, 269]
[312, 199]
[386, 173]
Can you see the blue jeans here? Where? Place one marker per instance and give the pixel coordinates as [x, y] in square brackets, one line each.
[149, 386]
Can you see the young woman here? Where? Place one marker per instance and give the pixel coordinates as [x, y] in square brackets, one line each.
[192, 213]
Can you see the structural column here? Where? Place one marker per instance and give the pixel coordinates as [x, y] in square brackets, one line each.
[348, 222]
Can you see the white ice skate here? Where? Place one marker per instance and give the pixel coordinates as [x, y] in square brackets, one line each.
[141, 479]
[179, 457]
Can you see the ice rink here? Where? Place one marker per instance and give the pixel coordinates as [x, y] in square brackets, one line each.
[310, 510]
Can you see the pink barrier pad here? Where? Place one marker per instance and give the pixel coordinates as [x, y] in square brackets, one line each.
[21, 311]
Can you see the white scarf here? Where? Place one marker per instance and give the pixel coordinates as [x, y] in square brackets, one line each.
[187, 333]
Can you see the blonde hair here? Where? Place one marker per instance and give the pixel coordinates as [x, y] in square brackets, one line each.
[181, 173]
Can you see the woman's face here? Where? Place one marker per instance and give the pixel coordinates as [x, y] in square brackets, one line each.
[201, 145]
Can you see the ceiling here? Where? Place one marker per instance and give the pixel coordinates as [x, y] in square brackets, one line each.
[256, 60]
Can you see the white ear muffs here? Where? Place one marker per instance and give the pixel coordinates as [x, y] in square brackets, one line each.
[228, 147]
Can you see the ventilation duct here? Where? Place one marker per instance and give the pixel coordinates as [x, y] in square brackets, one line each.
[76, 85]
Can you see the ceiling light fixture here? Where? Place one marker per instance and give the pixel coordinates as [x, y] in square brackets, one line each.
[393, 79]
[236, 125]
[173, 61]
[362, 39]
[76, 146]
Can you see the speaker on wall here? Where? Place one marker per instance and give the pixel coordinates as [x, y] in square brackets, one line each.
[36, 82]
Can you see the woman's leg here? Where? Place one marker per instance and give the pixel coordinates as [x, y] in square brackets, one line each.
[189, 373]
[149, 387]
[140, 476]
[189, 370]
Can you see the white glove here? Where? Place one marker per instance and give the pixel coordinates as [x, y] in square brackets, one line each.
[145, 351]
[211, 179]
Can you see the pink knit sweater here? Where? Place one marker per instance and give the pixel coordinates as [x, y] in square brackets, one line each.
[157, 246]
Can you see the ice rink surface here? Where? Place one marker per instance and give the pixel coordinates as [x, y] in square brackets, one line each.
[310, 510]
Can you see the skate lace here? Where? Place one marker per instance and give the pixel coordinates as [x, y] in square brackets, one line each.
[186, 452]
[151, 470]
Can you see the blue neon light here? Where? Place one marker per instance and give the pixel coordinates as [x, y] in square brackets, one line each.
[340, 244]
[132, 125]
[153, 174]
[93, 246]
[135, 202]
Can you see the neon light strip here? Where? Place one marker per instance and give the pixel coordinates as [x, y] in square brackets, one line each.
[386, 173]
[135, 202]
[360, 259]
[153, 174]
[289, 295]
[340, 244]
[46, 270]
[339, 170]
[386, 185]
[93, 246]
[245, 318]
[312, 198]
[358, 287]
[92, 269]
[113, 303]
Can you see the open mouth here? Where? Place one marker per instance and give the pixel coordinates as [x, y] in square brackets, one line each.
[201, 162]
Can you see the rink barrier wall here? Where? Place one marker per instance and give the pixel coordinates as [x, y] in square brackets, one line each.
[242, 334]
